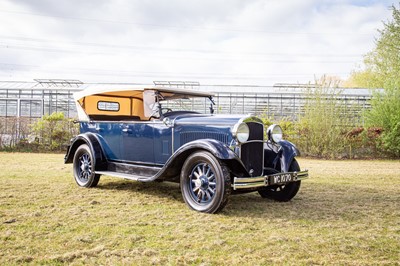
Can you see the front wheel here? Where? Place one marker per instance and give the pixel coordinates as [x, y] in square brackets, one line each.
[205, 183]
[83, 166]
[283, 192]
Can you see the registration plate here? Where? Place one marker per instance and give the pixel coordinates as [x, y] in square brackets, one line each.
[282, 178]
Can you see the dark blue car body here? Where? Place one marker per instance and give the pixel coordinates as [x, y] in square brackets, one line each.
[152, 142]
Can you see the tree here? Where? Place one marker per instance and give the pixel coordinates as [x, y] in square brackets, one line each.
[382, 64]
[382, 70]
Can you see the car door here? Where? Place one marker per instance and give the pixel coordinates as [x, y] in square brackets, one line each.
[137, 143]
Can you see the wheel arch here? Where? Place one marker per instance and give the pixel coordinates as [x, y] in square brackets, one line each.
[218, 149]
[95, 147]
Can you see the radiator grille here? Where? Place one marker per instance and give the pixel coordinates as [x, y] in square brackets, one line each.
[188, 136]
[252, 153]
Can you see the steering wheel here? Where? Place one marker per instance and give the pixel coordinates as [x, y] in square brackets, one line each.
[168, 109]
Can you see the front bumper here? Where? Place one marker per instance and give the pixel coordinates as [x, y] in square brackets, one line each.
[268, 180]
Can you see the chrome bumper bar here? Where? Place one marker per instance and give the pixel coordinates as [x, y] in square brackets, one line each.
[268, 180]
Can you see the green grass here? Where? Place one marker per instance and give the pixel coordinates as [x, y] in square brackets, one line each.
[347, 213]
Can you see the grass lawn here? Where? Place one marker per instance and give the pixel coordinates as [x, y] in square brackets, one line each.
[347, 213]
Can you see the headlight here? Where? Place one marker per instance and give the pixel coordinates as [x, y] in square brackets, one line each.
[241, 132]
[275, 133]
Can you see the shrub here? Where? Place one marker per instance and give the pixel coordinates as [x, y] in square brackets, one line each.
[364, 142]
[288, 127]
[53, 132]
[385, 114]
[323, 125]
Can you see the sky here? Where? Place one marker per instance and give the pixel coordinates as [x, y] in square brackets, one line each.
[257, 42]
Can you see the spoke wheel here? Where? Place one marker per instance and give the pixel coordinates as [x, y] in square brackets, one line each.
[205, 183]
[84, 167]
[202, 183]
[283, 192]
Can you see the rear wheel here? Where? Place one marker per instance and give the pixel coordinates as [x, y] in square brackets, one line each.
[283, 192]
[205, 183]
[83, 166]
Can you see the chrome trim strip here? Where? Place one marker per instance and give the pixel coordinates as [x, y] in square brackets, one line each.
[208, 123]
[173, 138]
[120, 175]
[262, 181]
[124, 121]
[138, 163]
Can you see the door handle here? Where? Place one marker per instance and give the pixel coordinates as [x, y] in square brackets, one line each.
[126, 130]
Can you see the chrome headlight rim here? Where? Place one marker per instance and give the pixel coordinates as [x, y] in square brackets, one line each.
[275, 133]
[241, 132]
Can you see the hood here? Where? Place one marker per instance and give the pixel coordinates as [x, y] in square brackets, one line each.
[207, 119]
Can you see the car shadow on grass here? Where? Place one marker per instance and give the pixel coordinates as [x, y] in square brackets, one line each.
[154, 189]
[315, 203]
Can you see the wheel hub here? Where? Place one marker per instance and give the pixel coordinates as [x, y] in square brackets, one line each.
[85, 166]
[204, 183]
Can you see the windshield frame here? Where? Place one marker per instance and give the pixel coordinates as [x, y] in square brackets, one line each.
[162, 96]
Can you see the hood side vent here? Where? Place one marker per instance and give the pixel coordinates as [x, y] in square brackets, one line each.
[189, 136]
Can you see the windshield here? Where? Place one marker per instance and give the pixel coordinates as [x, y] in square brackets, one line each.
[196, 104]
[161, 104]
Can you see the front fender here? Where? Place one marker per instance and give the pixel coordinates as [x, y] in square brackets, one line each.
[220, 150]
[287, 153]
[217, 148]
[281, 156]
[95, 147]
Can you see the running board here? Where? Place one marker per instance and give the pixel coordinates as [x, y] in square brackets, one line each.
[126, 176]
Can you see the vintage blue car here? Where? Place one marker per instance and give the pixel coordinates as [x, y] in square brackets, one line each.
[152, 134]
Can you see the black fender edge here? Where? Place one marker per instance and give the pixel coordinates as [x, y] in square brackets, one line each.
[288, 152]
[220, 150]
[94, 144]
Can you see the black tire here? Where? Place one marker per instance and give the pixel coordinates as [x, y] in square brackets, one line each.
[83, 166]
[283, 193]
[205, 183]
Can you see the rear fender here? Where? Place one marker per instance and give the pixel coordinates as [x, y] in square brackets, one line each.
[95, 147]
